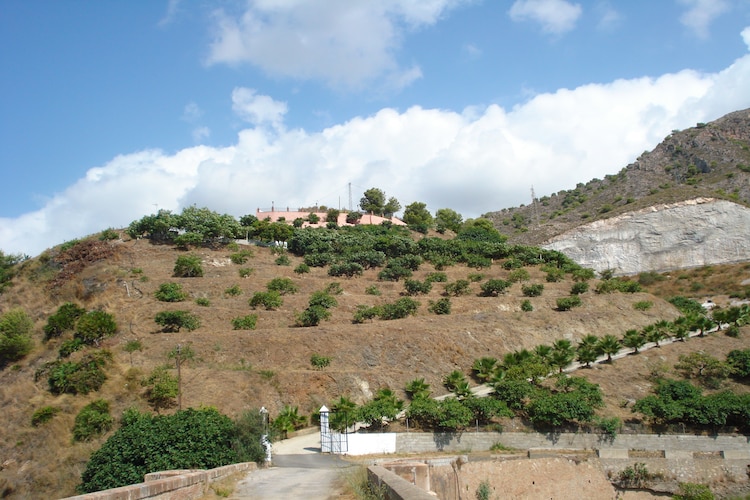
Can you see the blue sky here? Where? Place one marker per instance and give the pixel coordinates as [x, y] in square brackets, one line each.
[112, 110]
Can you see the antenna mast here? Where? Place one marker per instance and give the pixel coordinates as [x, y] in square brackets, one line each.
[351, 205]
[533, 206]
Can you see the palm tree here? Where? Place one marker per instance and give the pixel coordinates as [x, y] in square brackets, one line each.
[453, 380]
[609, 345]
[562, 354]
[587, 351]
[543, 352]
[585, 354]
[634, 340]
[343, 414]
[681, 328]
[417, 389]
[484, 368]
[288, 420]
[653, 334]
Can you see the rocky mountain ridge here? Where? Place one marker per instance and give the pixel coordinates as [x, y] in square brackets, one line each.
[707, 161]
[687, 234]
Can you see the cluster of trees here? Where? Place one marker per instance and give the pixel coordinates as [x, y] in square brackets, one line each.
[680, 402]
[195, 439]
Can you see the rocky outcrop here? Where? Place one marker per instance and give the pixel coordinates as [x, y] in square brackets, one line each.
[691, 233]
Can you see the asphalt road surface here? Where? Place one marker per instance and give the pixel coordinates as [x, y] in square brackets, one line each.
[299, 470]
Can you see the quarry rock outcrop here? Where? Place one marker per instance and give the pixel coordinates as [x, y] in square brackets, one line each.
[691, 233]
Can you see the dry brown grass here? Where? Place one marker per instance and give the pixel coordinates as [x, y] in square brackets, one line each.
[236, 370]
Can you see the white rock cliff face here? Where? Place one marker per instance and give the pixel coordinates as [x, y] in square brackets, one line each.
[688, 234]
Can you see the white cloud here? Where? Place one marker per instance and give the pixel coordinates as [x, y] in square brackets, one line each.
[257, 109]
[200, 134]
[192, 112]
[609, 17]
[172, 10]
[475, 161]
[472, 51]
[701, 13]
[555, 16]
[746, 36]
[342, 43]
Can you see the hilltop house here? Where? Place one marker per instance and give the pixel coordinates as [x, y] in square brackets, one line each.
[289, 217]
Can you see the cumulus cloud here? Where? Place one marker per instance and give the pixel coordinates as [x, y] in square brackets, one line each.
[555, 16]
[700, 14]
[257, 109]
[474, 161]
[339, 42]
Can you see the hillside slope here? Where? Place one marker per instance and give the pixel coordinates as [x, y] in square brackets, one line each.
[236, 370]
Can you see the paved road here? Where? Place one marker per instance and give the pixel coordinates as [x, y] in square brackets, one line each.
[299, 470]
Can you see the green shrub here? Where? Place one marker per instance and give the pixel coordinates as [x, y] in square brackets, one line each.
[319, 362]
[494, 287]
[312, 316]
[94, 326]
[643, 305]
[402, 308]
[188, 266]
[203, 301]
[245, 322]
[364, 312]
[161, 388]
[43, 415]
[302, 268]
[174, 321]
[416, 287]
[457, 288]
[348, 269]
[526, 306]
[532, 290]
[440, 306]
[579, 288]
[475, 277]
[79, 377]
[233, 291]
[372, 290]
[437, 277]
[244, 272]
[283, 286]
[282, 260]
[567, 303]
[269, 300]
[170, 292]
[554, 275]
[693, 491]
[241, 256]
[93, 420]
[108, 234]
[63, 320]
[15, 336]
[68, 347]
[394, 273]
[518, 275]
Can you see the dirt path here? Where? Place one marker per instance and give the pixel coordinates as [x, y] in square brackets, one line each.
[299, 470]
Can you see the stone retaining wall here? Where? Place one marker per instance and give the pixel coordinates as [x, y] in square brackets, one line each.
[170, 485]
[422, 442]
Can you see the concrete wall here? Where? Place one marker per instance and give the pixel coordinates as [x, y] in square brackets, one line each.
[395, 487]
[371, 444]
[422, 442]
[170, 485]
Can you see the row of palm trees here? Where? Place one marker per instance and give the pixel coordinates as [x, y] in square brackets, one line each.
[536, 363]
